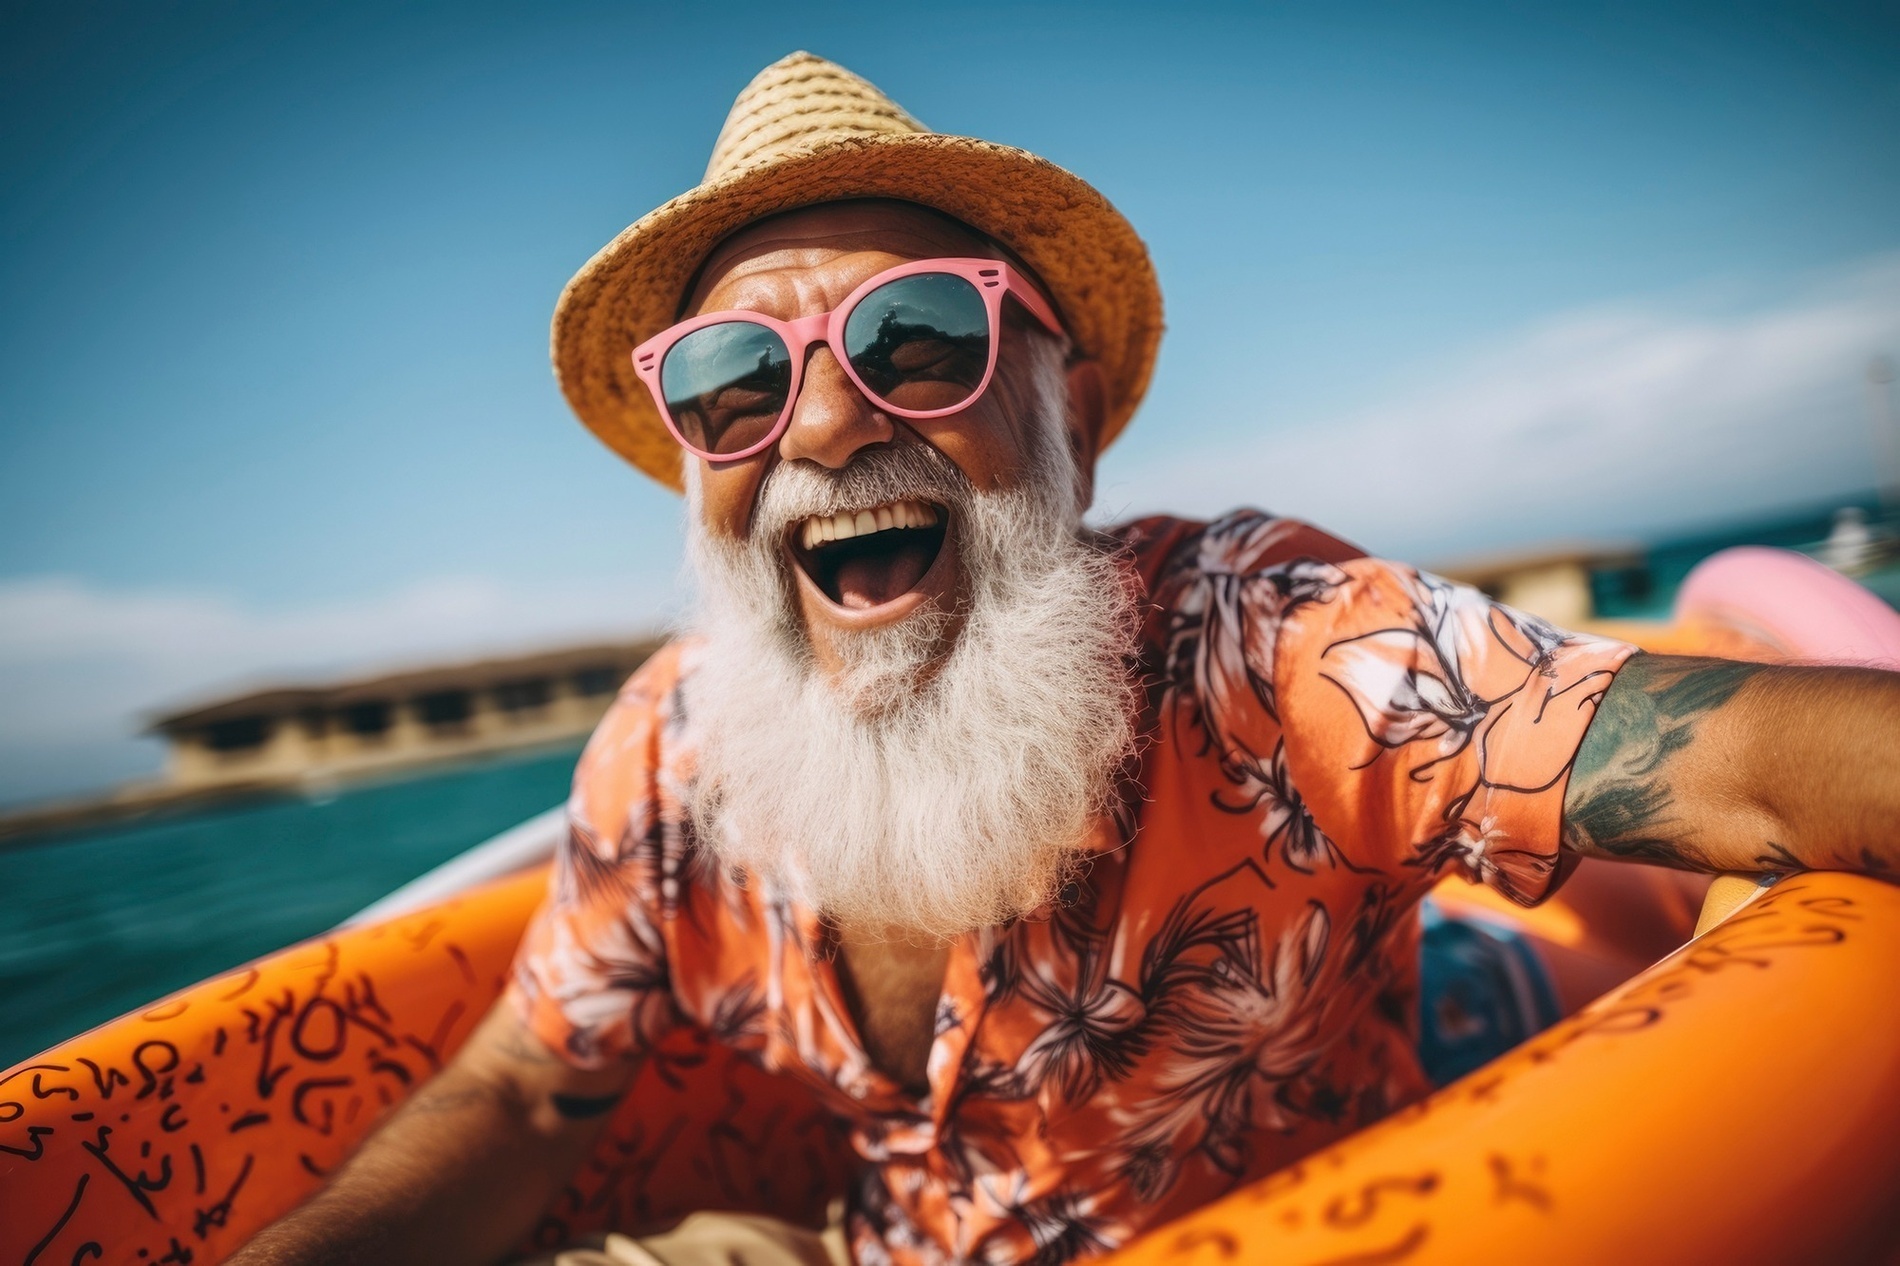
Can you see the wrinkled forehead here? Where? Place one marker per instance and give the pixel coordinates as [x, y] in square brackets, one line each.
[811, 235]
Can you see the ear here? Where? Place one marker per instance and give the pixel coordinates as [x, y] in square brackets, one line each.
[1088, 407]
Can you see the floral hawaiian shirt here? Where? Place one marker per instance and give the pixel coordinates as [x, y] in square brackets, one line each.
[1234, 983]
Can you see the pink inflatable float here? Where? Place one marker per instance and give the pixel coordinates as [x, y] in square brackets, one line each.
[1772, 604]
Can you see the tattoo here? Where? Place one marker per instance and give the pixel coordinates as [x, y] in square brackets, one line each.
[580, 1107]
[1620, 800]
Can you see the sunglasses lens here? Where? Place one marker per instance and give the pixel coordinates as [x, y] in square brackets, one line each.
[920, 342]
[725, 385]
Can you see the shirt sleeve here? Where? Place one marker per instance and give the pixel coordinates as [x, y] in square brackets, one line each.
[591, 976]
[1431, 727]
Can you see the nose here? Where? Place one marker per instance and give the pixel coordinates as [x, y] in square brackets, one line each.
[831, 419]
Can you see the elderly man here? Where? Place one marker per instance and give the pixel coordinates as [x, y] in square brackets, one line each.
[1076, 872]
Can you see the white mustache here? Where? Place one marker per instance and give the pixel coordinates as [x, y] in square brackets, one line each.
[800, 490]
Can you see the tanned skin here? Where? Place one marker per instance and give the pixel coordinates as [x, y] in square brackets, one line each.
[1711, 765]
[463, 1169]
[460, 1173]
[892, 985]
[1702, 764]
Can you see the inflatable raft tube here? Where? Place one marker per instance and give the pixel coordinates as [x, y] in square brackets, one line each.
[1737, 1101]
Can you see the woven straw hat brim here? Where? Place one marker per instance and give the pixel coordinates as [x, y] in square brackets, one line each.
[1086, 253]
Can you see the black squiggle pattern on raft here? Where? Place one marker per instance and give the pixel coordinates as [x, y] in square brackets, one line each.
[1789, 919]
[174, 1138]
[186, 1127]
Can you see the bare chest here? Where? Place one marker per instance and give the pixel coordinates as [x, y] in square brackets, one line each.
[892, 990]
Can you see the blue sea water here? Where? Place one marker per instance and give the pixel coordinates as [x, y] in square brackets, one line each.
[105, 921]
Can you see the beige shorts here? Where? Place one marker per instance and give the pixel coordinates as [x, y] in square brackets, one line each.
[713, 1239]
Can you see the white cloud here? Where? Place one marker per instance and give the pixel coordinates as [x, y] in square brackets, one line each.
[81, 664]
[1612, 423]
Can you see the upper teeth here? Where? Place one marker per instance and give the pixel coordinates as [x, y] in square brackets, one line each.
[842, 527]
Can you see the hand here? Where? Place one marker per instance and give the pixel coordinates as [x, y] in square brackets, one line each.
[462, 1170]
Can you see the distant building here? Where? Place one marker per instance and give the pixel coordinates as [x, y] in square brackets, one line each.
[294, 733]
[1572, 584]
[1555, 582]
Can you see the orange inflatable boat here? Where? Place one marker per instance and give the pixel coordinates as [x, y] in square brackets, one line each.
[1737, 1101]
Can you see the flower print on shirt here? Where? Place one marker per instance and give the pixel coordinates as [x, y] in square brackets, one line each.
[1094, 1031]
[1452, 692]
[1220, 655]
[1227, 987]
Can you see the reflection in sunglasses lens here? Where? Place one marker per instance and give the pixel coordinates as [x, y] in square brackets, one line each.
[920, 342]
[725, 385]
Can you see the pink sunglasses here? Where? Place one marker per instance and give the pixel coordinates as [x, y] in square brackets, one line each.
[918, 340]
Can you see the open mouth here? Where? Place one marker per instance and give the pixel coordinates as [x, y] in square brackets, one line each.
[863, 559]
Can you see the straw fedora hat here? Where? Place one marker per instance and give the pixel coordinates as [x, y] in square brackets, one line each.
[807, 131]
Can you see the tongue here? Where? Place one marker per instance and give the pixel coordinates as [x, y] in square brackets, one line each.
[875, 579]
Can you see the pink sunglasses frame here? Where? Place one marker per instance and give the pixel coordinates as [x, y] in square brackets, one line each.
[992, 278]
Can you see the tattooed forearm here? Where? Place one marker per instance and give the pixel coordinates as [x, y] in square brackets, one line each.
[1712, 765]
[1623, 799]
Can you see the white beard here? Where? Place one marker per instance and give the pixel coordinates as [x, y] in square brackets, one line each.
[930, 788]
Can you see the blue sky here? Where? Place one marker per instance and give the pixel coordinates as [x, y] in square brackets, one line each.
[1450, 278]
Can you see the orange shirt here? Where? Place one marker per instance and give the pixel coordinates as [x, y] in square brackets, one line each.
[1231, 987]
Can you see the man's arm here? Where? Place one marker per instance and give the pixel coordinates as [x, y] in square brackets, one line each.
[1712, 765]
[460, 1172]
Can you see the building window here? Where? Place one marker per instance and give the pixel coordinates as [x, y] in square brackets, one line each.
[599, 680]
[239, 734]
[524, 695]
[444, 709]
[367, 720]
